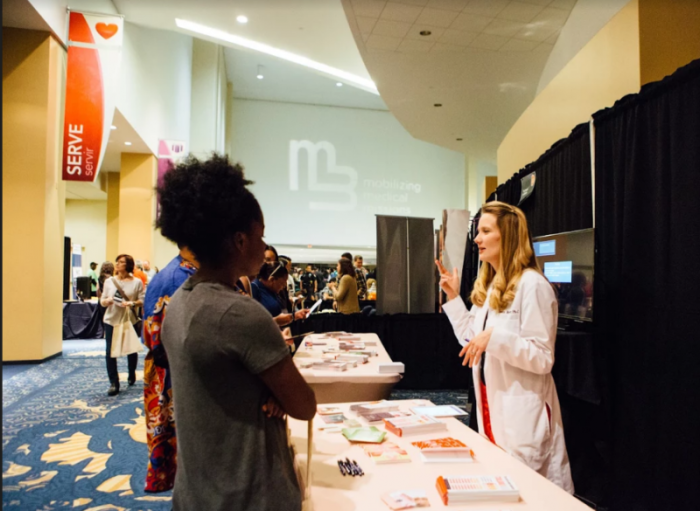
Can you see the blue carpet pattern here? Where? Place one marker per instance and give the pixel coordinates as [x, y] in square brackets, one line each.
[67, 445]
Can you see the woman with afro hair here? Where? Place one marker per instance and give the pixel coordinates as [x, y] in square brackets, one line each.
[232, 375]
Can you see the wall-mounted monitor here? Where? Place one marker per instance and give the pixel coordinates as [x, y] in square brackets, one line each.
[566, 259]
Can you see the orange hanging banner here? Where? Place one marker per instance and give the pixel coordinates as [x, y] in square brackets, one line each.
[94, 53]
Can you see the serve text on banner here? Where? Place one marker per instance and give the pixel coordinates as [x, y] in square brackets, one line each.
[94, 54]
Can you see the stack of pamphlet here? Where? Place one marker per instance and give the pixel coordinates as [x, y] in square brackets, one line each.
[330, 366]
[351, 357]
[459, 489]
[413, 425]
[380, 416]
[444, 450]
[387, 452]
[439, 411]
[376, 407]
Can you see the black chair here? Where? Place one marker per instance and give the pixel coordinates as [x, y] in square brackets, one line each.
[368, 310]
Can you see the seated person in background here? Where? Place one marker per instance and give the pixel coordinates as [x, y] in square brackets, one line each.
[327, 292]
[231, 371]
[346, 294]
[272, 279]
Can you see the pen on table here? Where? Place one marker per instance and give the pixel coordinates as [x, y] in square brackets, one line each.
[353, 468]
[341, 467]
[359, 468]
[348, 468]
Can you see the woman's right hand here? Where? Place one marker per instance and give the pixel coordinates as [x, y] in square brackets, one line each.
[449, 282]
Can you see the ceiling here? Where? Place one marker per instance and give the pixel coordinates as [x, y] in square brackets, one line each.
[481, 61]
[316, 29]
[116, 145]
[284, 81]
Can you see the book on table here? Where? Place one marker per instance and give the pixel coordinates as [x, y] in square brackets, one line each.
[414, 425]
[337, 418]
[444, 450]
[406, 499]
[386, 452]
[460, 489]
[330, 366]
[381, 406]
[380, 416]
[328, 410]
[439, 411]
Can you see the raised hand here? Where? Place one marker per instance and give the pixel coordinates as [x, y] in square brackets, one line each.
[449, 282]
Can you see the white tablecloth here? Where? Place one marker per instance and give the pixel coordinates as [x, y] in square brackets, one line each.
[363, 382]
[332, 491]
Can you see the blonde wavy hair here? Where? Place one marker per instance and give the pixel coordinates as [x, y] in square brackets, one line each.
[517, 255]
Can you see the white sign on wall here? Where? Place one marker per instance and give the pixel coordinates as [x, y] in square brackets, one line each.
[378, 195]
[322, 173]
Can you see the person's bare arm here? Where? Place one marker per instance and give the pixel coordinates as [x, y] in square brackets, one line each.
[290, 390]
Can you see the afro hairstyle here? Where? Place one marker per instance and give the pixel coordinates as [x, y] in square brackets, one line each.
[203, 204]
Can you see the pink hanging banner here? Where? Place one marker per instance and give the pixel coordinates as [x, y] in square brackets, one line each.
[170, 153]
[94, 53]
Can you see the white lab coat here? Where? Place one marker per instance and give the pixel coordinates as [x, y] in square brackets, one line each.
[518, 374]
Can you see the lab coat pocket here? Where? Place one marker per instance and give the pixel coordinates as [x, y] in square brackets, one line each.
[526, 428]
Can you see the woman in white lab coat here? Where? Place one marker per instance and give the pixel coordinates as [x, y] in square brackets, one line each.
[510, 331]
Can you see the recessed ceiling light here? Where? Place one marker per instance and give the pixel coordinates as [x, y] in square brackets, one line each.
[242, 19]
[339, 84]
[425, 32]
[260, 74]
[437, 104]
[363, 83]
[114, 127]
[127, 143]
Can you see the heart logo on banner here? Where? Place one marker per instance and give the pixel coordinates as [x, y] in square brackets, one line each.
[106, 30]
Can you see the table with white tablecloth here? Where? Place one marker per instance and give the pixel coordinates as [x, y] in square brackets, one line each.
[330, 490]
[361, 383]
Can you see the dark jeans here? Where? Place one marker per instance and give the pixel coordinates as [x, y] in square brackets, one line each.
[133, 359]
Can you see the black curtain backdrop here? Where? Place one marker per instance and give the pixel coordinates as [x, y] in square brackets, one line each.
[647, 284]
[560, 202]
[562, 198]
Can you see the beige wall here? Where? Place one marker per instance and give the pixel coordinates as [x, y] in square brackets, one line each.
[163, 251]
[137, 205]
[669, 36]
[86, 225]
[606, 69]
[209, 98]
[112, 234]
[33, 78]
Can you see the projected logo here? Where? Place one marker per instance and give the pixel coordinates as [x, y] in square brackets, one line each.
[344, 195]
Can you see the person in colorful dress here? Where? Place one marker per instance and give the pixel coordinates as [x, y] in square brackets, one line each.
[158, 393]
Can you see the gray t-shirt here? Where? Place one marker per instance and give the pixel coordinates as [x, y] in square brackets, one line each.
[230, 455]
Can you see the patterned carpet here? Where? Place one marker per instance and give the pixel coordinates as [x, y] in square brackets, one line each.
[67, 445]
